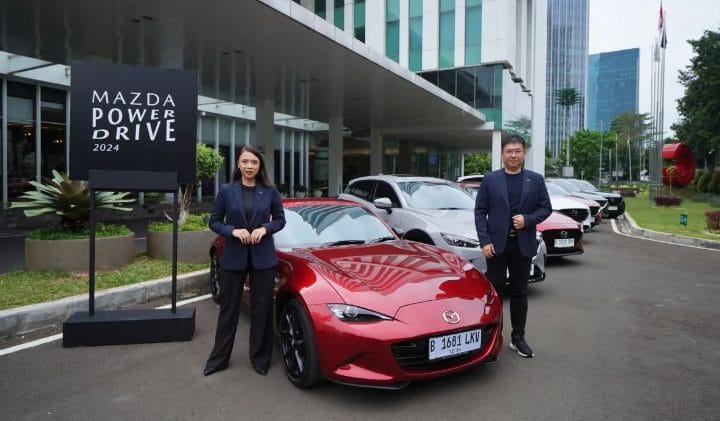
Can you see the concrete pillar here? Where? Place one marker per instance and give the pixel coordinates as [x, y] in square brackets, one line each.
[405, 150]
[265, 133]
[335, 152]
[283, 147]
[376, 152]
[496, 150]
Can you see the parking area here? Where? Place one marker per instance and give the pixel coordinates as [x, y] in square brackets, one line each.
[628, 330]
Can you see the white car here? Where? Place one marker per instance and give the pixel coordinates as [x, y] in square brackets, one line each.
[430, 210]
[574, 209]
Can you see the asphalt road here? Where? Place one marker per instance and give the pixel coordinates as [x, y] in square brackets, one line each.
[629, 330]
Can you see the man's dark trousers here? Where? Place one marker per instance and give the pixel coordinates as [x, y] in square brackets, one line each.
[518, 265]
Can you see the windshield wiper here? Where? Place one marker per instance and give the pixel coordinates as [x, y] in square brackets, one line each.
[381, 239]
[343, 242]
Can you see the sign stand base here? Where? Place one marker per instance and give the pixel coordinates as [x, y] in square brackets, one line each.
[123, 327]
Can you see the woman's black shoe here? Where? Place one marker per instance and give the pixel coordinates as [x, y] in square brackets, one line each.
[210, 370]
[260, 370]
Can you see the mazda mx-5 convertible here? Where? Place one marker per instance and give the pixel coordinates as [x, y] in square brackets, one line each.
[357, 305]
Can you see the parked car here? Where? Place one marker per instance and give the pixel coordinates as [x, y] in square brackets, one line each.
[562, 235]
[470, 178]
[432, 211]
[595, 208]
[470, 188]
[616, 203]
[357, 305]
[574, 209]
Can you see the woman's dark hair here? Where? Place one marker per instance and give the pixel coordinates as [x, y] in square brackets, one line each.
[261, 176]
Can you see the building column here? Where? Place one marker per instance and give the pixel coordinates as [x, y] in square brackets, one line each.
[265, 133]
[405, 149]
[496, 149]
[283, 146]
[376, 152]
[231, 162]
[335, 155]
[3, 144]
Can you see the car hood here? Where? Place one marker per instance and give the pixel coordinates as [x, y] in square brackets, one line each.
[386, 276]
[451, 221]
[560, 202]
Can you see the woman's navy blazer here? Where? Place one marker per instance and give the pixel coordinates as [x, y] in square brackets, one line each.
[492, 211]
[228, 213]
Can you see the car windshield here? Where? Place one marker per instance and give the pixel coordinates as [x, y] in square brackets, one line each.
[316, 225]
[567, 185]
[435, 195]
[556, 190]
[585, 185]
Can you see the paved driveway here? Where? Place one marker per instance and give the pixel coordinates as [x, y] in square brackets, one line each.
[629, 330]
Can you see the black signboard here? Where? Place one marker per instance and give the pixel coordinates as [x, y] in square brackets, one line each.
[132, 127]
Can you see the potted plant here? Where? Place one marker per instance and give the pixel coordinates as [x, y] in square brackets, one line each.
[283, 189]
[66, 247]
[300, 191]
[193, 232]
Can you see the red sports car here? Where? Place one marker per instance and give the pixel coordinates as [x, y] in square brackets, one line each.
[356, 305]
[562, 235]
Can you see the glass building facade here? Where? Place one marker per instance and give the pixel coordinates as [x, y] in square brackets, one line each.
[613, 86]
[567, 56]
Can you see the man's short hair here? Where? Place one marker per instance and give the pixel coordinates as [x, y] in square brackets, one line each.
[513, 138]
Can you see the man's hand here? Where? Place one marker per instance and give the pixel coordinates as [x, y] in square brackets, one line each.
[488, 251]
[518, 222]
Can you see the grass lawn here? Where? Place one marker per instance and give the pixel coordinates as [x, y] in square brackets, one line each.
[21, 288]
[667, 219]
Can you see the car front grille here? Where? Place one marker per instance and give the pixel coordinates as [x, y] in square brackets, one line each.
[614, 201]
[549, 236]
[413, 355]
[577, 214]
[594, 210]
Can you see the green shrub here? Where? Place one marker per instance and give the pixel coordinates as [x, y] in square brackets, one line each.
[58, 233]
[712, 199]
[194, 223]
[698, 175]
[714, 183]
[703, 182]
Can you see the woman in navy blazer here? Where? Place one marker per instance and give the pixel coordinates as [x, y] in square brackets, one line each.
[246, 212]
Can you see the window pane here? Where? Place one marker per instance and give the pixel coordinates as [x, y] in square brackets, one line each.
[339, 15]
[392, 10]
[392, 41]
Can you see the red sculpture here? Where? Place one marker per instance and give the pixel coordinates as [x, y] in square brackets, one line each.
[679, 157]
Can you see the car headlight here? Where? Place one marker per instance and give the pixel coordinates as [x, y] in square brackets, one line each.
[348, 313]
[459, 241]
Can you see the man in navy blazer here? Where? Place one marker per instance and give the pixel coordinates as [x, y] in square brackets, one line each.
[510, 203]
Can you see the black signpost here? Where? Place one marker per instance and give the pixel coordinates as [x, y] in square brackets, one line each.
[132, 128]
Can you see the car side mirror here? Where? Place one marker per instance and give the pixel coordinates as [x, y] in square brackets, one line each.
[383, 203]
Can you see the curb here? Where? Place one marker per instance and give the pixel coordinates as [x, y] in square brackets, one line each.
[628, 224]
[25, 319]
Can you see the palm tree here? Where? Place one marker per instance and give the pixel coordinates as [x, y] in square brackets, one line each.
[567, 98]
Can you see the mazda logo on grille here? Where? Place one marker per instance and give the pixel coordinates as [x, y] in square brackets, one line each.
[451, 317]
[563, 234]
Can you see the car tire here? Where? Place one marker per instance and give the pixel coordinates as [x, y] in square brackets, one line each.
[297, 343]
[215, 276]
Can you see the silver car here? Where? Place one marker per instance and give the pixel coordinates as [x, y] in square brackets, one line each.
[430, 210]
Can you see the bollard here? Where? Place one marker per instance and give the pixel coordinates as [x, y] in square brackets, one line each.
[683, 218]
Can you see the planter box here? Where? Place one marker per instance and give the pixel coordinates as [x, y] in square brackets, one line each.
[193, 246]
[74, 255]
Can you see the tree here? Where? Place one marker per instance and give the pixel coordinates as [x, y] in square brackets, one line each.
[479, 163]
[522, 126]
[633, 133]
[586, 152]
[699, 108]
[567, 98]
[207, 164]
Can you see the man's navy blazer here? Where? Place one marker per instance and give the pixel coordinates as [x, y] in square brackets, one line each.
[492, 210]
[228, 213]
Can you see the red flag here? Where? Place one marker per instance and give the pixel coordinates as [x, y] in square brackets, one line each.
[661, 28]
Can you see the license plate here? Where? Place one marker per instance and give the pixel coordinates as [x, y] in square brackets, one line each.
[455, 344]
[612, 207]
[564, 242]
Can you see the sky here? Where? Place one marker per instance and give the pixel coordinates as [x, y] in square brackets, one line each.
[621, 24]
